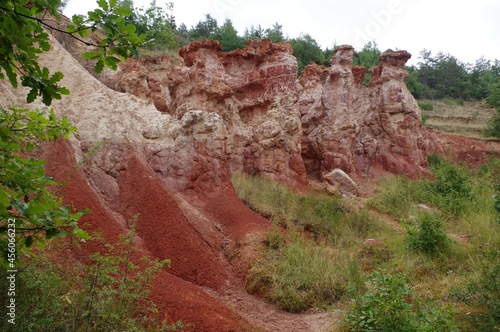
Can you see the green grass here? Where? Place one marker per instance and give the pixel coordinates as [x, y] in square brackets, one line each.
[316, 255]
[461, 118]
[312, 264]
[399, 196]
[300, 274]
[456, 192]
[463, 201]
[323, 216]
[389, 305]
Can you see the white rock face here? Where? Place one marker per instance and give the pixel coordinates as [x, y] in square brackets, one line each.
[179, 149]
[340, 180]
[253, 90]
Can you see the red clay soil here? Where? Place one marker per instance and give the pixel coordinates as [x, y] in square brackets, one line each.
[244, 230]
[165, 231]
[60, 162]
[471, 151]
[180, 300]
[166, 237]
[236, 218]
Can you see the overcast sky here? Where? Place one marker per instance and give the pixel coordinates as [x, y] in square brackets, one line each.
[467, 31]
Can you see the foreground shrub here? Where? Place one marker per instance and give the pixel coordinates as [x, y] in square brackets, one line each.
[389, 306]
[429, 235]
[452, 191]
[485, 296]
[106, 293]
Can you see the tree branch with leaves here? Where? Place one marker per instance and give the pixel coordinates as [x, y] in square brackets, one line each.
[25, 194]
[23, 37]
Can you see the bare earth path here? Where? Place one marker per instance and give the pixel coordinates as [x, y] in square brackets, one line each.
[268, 318]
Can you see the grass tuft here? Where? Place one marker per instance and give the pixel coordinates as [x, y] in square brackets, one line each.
[301, 275]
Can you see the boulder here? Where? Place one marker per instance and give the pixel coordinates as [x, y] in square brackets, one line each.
[340, 180]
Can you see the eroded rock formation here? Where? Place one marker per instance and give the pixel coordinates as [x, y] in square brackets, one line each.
[167, 153]
[356, 128]
[254, 91]
[242, 102]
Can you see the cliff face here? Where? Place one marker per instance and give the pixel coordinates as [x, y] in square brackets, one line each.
[167, 153]
[286, 128]
[241, 106]
[360, 129]
[167, 170]
[253, 90]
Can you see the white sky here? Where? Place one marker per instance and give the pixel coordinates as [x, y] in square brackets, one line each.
[467, 31]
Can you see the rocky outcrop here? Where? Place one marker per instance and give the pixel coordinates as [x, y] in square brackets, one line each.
[268, 130]
[253, 90]
[341, 182]
[401, 145]
[272, 124]
[360, 129]
[167, 153]
[251, 93]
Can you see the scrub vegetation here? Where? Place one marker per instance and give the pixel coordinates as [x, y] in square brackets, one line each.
[407, 259]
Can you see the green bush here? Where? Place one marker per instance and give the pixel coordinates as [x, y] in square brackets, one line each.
[452, 191]
[425, 116]
[429, 235]
[106, 293]
[426, 106]
[389, 306]
[434, 160]
[484, 295]
[493, 127]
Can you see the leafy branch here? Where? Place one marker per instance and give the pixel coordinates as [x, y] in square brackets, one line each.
[23, 37]
[24, 188]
